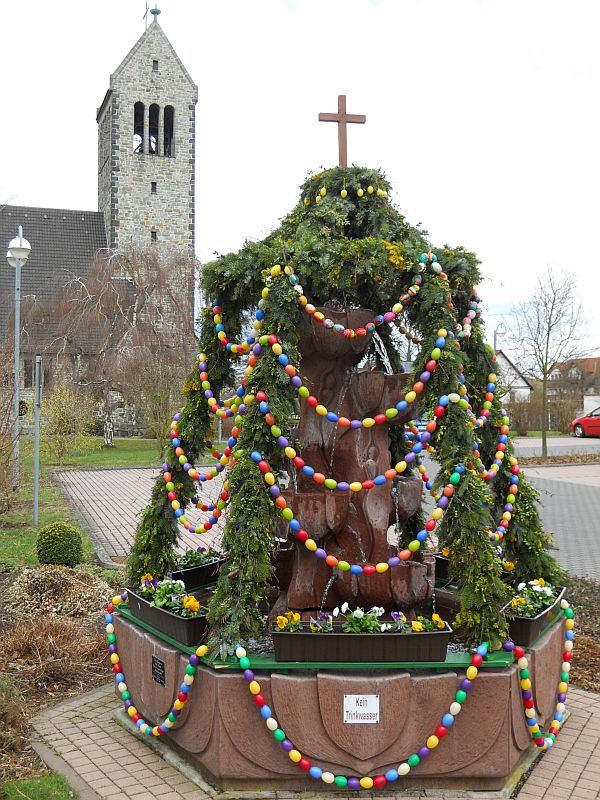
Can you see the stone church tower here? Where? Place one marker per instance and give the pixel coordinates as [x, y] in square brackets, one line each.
[146, 139]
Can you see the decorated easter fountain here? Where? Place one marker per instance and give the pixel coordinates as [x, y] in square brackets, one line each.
[327, 544]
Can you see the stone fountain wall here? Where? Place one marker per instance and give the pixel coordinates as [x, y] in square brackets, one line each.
[221, 732]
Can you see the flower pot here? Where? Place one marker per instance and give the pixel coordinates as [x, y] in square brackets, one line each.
[442, 564]
[198, 576]
[525, 630]
[187, 630]
[363, 647]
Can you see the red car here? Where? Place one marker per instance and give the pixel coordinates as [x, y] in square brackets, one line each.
[588, 425]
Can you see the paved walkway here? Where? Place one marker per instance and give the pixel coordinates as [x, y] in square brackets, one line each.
[81, 739]
[108, 503]
[557, 445]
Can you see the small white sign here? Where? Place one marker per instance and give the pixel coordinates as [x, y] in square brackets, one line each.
[361, 708]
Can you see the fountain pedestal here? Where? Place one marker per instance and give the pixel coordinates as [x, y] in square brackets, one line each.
[221, 732]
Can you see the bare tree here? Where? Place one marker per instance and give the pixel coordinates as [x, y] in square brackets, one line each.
[131, 321]
[548, 330]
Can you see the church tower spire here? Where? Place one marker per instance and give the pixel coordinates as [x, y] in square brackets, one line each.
[146, 143]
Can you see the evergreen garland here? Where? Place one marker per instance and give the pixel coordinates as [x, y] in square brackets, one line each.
[356, 251]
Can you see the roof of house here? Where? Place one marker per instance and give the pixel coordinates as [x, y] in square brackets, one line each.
[513, 367]
[63, 245]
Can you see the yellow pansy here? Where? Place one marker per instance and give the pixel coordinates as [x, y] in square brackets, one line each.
[508, 566]
[282, 622]
[146, 577]
[416, 626]
[445, 552]
[438, 621]
[190, 602]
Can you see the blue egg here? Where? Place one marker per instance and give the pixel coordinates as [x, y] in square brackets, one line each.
[176, 442]
[422, 535]
[295, 525]
[263, 406]
[379, 480]
[255, 456]
[265, 712]
[260, 314]
[443, 401]
[356, 569]
[179, 512]
[331, 416]
[440, 342]
[315, 772]
[447, 720]
[391, 775]
[308, 470]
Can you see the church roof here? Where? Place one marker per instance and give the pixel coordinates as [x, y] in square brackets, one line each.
[63, 245]
[154, 30]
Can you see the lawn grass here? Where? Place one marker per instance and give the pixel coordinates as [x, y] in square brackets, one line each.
[50, 787]
[17, 534]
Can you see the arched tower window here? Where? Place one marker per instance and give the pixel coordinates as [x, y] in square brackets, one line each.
[138, 128]
[153, 128]
[169, 141]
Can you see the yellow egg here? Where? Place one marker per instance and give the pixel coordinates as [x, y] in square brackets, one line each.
[360, 192]
[344, 194]
[323, 191]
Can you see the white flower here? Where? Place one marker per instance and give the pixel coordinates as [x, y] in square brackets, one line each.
[378, 611]
[385, 626]
[345, 607]
[335, 611]
[521, 586]
[358, 613]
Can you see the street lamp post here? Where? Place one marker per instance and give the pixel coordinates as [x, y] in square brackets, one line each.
[18, 253]
[499, 331]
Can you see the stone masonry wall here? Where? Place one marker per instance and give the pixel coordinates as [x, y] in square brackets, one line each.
[136, 211]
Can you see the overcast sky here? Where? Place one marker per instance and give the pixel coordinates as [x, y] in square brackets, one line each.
[483, 114]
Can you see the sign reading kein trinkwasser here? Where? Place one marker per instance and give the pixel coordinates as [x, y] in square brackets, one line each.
[361, 708]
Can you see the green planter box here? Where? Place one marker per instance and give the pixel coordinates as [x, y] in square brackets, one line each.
[187, 630]
[361, 647]
[198, 576]
[525, 630]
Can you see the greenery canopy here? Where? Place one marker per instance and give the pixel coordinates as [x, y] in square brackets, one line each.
[349, 248]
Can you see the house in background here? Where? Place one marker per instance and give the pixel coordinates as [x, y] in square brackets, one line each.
[518, 388]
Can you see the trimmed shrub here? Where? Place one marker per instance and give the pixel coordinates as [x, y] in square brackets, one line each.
[60, 543]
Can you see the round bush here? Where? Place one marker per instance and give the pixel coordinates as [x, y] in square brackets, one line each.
[59, 543]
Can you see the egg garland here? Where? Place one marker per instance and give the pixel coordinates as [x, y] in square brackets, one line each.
[321, 410]
[546, 742]
[201, 477]
[344, 566]
[128, 703]
[320, 479]
[360, 193]
[350, 333]
[366, 782]
[421, 439]
[235, 348]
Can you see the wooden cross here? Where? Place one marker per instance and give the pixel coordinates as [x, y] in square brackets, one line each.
[342, 119]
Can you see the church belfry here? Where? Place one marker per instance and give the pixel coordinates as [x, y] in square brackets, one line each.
[146, 139]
